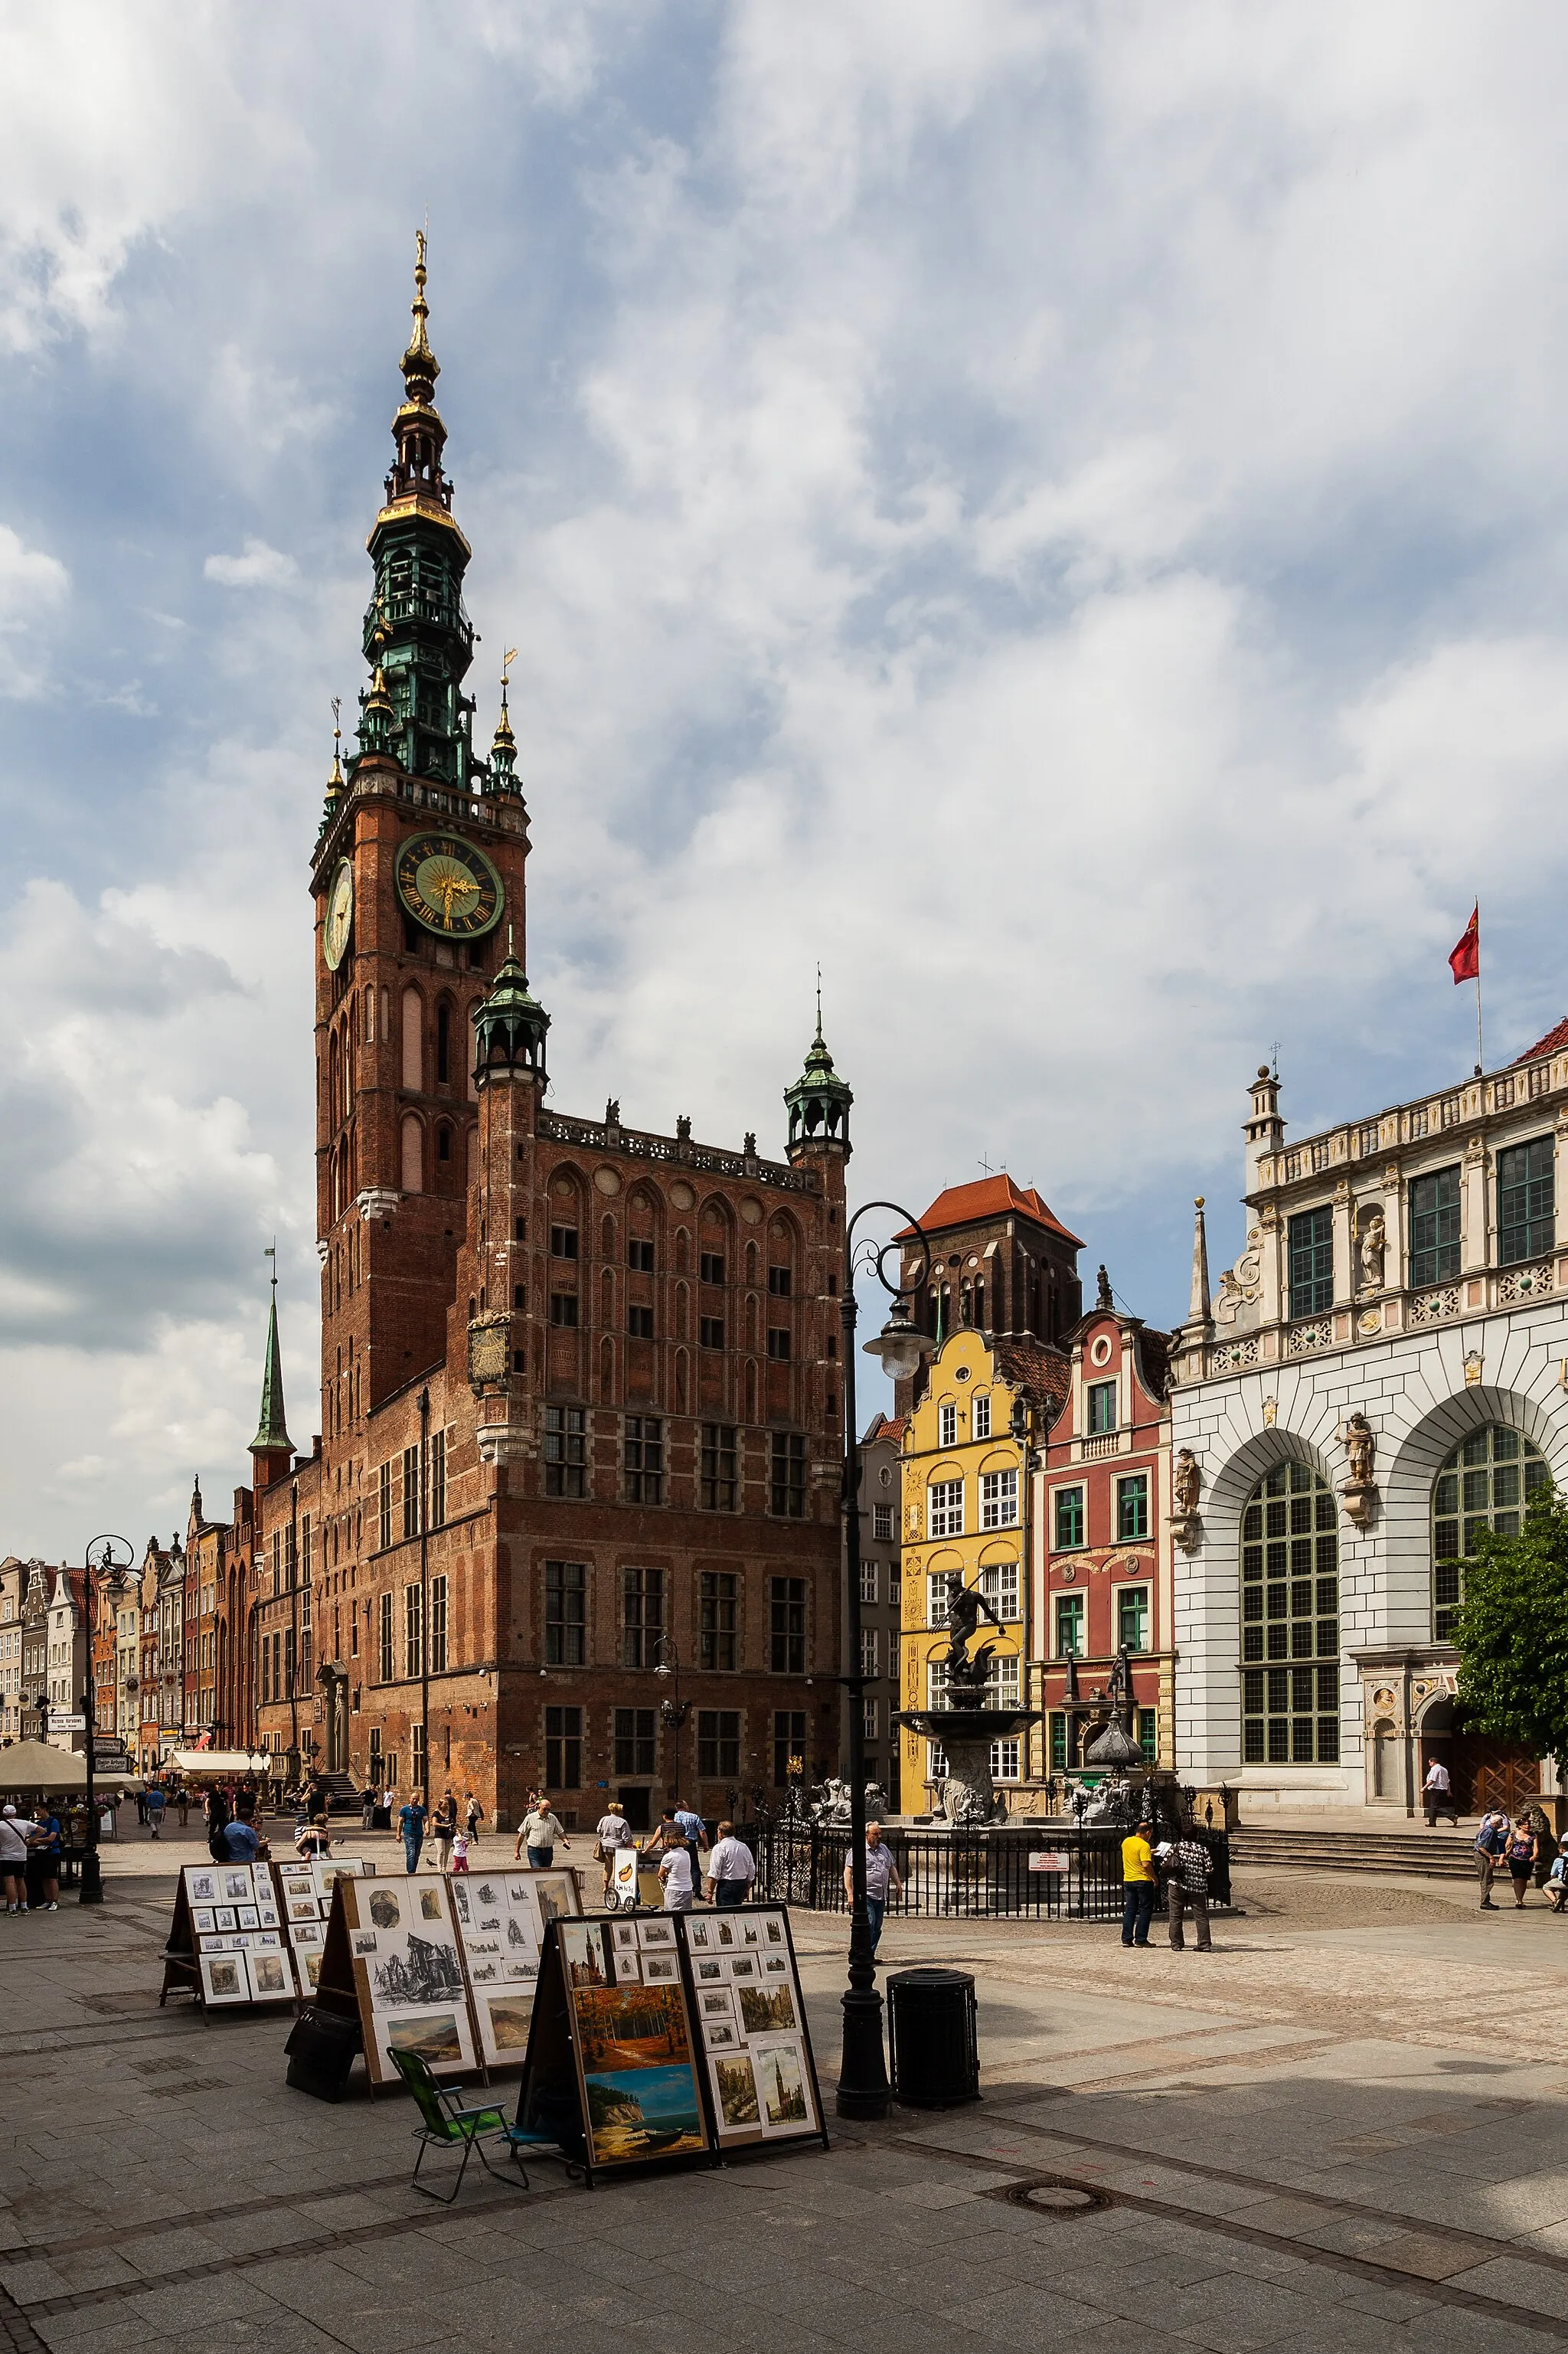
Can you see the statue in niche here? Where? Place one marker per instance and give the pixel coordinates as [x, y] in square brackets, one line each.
[1186, 1482]
[1370, 1248]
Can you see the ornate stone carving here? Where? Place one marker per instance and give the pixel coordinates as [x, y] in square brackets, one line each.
[1473, 1360]
[1241, 1286]
[1270, 1412]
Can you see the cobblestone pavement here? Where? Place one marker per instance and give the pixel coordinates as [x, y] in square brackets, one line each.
[1335, 2131]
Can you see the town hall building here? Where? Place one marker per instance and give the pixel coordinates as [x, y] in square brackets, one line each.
[572, 1520]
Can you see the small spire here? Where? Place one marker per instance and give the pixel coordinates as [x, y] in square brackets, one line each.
[504, 747]
[1198, 1309]
[817, 1041]
[420, 365]
[271, 1429]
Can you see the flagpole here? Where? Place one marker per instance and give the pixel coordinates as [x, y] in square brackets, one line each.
[1481, 1058]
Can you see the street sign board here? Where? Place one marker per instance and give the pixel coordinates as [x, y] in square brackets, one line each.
[67, 1724]
[1048, 1859]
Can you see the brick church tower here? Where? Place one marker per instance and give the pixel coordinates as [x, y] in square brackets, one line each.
[573, 1518]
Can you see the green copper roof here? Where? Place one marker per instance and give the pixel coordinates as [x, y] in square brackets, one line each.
[818, 1102]
[509, 1022]
[271, 1430]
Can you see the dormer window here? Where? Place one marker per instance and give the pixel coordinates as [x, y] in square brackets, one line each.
[1101, 1402]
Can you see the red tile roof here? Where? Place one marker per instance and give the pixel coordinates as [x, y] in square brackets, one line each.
[1553, 1044]
[990, 1197]
[885, 1426]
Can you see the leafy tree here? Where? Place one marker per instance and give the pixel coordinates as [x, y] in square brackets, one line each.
[1512, 1630]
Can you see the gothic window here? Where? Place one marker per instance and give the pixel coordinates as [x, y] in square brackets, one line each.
[413, 1155]
[413, 1040]
[1290, 1620]
[1485, 1484]
[443, 1045]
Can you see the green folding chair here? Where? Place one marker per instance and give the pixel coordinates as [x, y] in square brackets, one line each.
[447, 2127]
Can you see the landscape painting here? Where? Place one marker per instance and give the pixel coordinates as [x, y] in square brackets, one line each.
[643, 2112]
[509, 2017]
[432, 2035]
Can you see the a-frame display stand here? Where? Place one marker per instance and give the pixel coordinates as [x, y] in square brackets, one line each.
[181, 1974]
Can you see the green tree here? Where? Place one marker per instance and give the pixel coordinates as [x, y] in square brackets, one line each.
[1512, 1630]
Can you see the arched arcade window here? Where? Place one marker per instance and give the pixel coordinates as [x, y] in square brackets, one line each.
[1290, 1620]
[1485, 1484]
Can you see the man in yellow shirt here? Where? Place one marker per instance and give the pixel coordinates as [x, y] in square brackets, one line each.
[1138, 1880]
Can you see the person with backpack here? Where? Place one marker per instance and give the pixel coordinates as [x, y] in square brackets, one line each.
[1185, 1863]
[1490, 1841]
[217, 1812]
[1520, 1856]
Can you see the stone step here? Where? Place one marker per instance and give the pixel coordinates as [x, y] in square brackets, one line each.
[1429, 1855]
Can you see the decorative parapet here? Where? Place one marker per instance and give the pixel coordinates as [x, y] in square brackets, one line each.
[679, 1152]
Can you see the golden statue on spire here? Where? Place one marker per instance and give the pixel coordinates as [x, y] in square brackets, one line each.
[420, 365]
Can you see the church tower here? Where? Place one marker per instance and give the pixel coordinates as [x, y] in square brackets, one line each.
[417, 872]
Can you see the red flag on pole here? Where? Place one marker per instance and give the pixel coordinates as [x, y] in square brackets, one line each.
[1465, 963]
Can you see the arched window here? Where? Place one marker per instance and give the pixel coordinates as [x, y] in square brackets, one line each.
[413, 1156]
[1290, 1620]
[443, 1045]
[413, 1039]
[1485, 1484]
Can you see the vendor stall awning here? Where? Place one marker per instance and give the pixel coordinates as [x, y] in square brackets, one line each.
[34, 1765]
[205, 1762]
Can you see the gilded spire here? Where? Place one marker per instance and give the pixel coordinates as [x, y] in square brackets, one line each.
[420, 365]
[504, 746]
[335, 785]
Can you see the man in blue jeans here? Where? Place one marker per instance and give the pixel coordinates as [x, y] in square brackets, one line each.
[881, 1875]
[1138, 1886]
[411, 1823]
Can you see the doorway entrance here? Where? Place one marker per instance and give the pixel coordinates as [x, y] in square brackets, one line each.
[1484, 1772]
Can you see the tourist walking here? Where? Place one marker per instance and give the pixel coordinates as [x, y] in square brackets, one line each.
[538, 1833]
[881, 1881]
[1437, 1794]
[1520, 1856]
[1138, 1884]
[443, 1825]
[183, 1801]
[675, 1876]
[472, 1814]
[732, 1867]
[366, 1807]
[695, 1831]
[155, 1812]
[1490, 1841]
[14, 1832]
[612, 1830]
[46, 1845]
[411, 1820]
[1185, 1863]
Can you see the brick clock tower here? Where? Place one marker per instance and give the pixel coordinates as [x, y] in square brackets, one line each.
[572, 1520]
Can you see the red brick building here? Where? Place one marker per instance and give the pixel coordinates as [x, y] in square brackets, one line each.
[573, 1517]
[1104, 1566]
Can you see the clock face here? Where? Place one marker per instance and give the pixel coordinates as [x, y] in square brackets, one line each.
[449, 886]
[339, 916]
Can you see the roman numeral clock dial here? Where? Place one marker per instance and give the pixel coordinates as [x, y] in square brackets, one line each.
[449, 886]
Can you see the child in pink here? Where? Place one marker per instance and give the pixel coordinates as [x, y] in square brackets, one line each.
[460, 1851]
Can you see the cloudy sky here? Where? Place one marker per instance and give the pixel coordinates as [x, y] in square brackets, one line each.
[1055, 511]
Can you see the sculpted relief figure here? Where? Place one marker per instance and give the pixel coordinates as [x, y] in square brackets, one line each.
[1369, 1250]
[1186, 1482]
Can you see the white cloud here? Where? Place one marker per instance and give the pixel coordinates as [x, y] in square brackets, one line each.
[260, 566]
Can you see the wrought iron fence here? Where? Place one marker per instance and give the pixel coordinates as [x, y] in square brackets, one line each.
[1039, 1874]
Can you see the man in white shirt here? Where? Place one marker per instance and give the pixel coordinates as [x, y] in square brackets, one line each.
[731, 1866]
[1437, 1794]
[612, 1830]
[540, 1831]
[14, 1832]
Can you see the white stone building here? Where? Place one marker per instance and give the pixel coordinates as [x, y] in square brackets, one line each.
[1405, 1268]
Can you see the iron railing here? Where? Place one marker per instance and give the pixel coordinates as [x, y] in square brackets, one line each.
[978, 1873]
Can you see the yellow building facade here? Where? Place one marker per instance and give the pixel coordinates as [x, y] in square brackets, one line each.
[964, 1521]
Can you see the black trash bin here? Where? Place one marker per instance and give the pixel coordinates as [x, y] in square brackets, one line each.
[321, 2049]
[934, 2036]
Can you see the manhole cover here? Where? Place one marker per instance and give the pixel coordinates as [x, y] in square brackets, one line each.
[1051, 2198]
[1058, 2198]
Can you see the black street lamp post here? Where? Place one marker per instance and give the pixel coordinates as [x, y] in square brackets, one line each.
[674, 1712]
[117, 1555]
[862, 2089]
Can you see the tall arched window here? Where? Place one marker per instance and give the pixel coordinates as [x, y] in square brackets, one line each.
[413, 1155]
[1485, 1484]
[1290, 1620]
